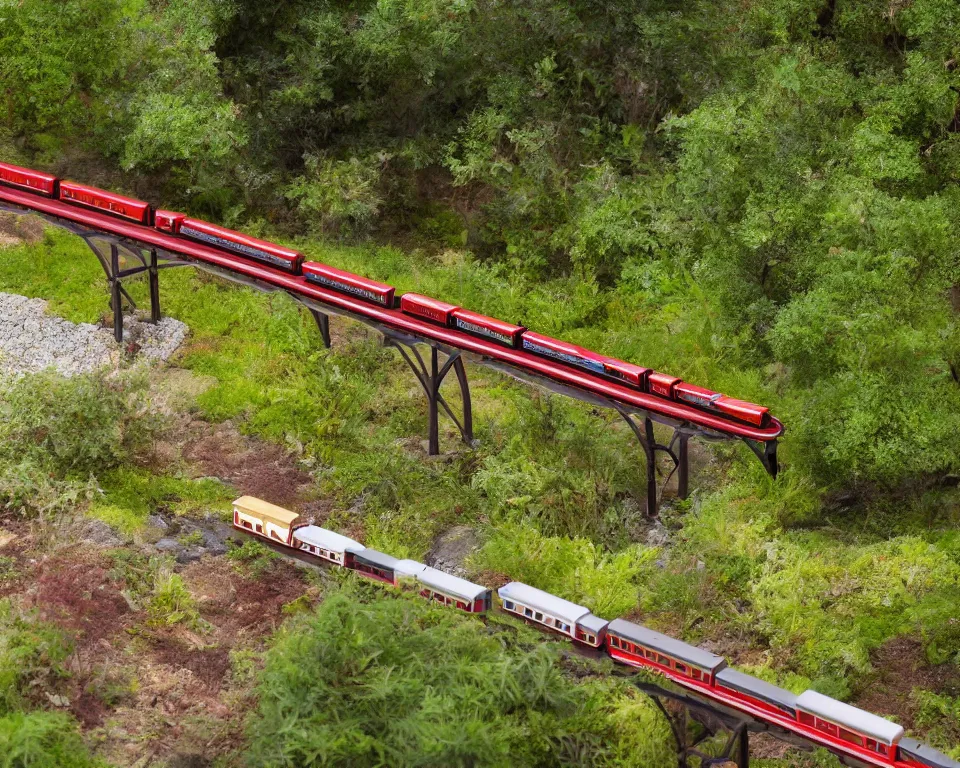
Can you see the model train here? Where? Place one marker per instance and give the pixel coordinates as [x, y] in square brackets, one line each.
[847, 730]
[293, 262]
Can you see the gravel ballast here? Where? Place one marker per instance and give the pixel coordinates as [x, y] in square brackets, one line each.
[32, 341]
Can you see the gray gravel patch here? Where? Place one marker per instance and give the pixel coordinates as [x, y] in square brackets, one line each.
[33, 341]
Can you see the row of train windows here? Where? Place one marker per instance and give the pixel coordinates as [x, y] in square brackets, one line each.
[657, 658]
[373, 571]
[247, 524]
[325, 553]
[443, 599]
[536, 615]
[842, 733]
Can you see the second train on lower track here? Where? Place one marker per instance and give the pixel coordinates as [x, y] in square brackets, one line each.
[847, 730]
[293, 262]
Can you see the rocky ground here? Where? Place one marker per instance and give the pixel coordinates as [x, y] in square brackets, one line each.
[32, 341]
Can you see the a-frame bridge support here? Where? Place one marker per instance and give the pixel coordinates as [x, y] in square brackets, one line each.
[430, 379]
[690, 732]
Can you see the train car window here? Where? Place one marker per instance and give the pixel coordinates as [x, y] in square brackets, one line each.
[614, 641]
[696, 674]
[589, 638]
[663, 660]
[508, 605]
[259, 528]
[681, 668]
[649, 654]
[538, 616]
[527, 612]
[853, 738]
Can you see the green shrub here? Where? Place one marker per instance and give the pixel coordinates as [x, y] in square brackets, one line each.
[32, 654]
[171, 602]
[76, 426]
[336, 196]
[252, 558]
[41, 739]
[402, 682]
[606, 582]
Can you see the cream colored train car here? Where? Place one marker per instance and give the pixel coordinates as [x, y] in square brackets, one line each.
[265, 519]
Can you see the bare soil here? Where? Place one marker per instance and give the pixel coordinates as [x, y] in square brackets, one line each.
[16, 229]
[901, 666]
[149, 696]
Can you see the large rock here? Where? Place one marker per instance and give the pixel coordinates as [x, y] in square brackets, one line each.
[452, 548]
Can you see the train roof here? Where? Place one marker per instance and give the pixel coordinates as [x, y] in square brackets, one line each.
[451, 585]
[676, 649]
[374, 558]
[926, 755]
[409, 567]
[593, 623]
[266, 510]
[754, 686]
[543, 601]
[330, 540]
[849, 717]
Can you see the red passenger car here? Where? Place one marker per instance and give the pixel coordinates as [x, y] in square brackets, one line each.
[424, 306]
[347, 282]
[635, 375]
[488, 327]
[275, 255]
[662, 384]
[32, 181]
[168, 221]
[108, 202]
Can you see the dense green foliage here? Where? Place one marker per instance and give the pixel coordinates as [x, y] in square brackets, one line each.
[400, 682]
[43, 739]
[55, 433]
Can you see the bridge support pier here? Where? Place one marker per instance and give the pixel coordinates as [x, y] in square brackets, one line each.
[430, 379]
[648, 442]
[154, 273]
[710, 721]
[323, 323]
[683, 465]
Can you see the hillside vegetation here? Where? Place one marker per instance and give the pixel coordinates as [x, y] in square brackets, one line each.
[761, 197]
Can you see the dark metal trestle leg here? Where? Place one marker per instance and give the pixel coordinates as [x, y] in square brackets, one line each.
[683, 467]
[323, 323]
[115, 297]
[743, 749]
[430, 380]
[154, 288]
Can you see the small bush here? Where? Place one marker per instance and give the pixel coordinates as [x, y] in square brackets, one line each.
[78, 426]
[401, 682]
[31, 653]
[171, 602]
[42, 740]
[252, 558]
[337, 195]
